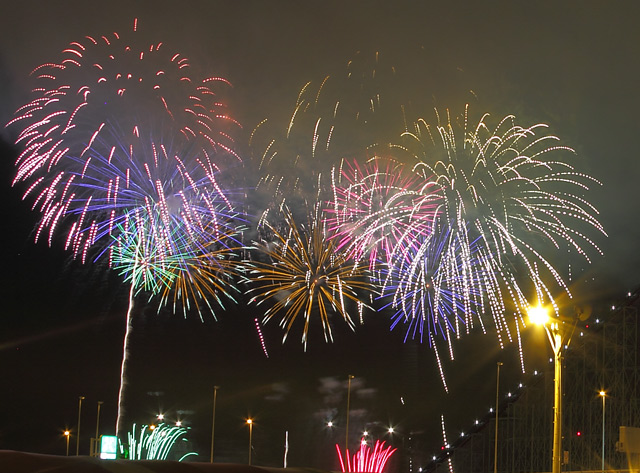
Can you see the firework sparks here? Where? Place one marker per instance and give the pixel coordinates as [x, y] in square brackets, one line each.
[340, 116]
[379, 206]
[366, 460]
[303, 272]
[156, 442]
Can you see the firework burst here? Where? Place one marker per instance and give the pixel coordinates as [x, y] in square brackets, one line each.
[113, 127]
[301, 271]
[510, 197]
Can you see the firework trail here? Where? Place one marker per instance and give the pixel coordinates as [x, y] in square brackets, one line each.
[301, 271]
[122, 153]
[379, 206]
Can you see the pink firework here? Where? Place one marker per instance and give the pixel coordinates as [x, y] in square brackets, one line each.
[113, 126]
[366, 460]
[378, 206]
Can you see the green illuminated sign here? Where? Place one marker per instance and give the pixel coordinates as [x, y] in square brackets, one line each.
[108, 447]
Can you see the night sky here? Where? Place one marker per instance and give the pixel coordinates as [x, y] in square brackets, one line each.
[573, 65]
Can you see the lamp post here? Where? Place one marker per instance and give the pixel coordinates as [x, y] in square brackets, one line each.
[66, 435]
[346, 440]
[603, 395]
[539, 316]
[250, 422]
[80, 399]
[495, 452]
[213, 420]
[96, 448]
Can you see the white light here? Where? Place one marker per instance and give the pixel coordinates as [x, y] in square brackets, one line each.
[520, 385]
[329, 424]
[582, 334]
[365, 433]
[434, 457]
[461, 434]
[160, 416]
[550, 360]
[491, 409]
[178, 424]
[613, 307]
[509, 395]
[535, 373]
[597, 321]
[476, 421]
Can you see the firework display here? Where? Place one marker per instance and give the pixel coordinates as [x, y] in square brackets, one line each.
[447, 225]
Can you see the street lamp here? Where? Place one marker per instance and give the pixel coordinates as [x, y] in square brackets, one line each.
[80, 399]
[213, 420]
[346, 440]
[250, 422]
[538, 315]
[96, 444]
[495, 453]
[603, 395]
[67, 434]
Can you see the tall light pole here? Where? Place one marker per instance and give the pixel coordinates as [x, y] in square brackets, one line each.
[539, 315]
[67, 434]
[80, 399]
[495, 453]
[603, 395]
[250, 422]
[213, 420]
[96, 448]
[346, 440]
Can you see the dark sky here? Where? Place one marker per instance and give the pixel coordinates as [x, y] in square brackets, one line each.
[574, 65]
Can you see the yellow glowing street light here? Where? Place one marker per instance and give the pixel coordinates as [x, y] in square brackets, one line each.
[250, 422]
[67, 434]
[540, 316]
